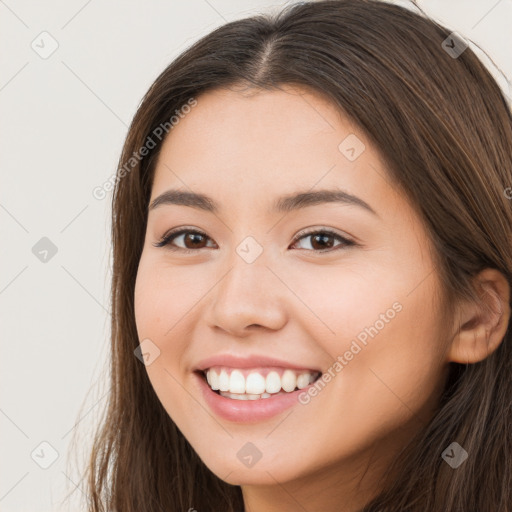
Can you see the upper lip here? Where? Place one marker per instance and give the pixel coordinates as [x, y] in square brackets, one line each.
[252, 361]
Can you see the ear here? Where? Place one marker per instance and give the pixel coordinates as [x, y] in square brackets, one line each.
[481, 327]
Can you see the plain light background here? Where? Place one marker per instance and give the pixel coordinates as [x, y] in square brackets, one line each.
[63, 120]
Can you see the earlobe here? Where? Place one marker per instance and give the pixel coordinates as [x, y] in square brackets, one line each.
[482, 326]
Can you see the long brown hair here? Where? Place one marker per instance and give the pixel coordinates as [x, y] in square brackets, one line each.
[444, 129]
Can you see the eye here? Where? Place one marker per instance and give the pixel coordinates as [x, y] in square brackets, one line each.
[196, 239]
[322, 240]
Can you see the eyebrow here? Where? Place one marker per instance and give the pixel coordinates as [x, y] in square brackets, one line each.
[283, 204]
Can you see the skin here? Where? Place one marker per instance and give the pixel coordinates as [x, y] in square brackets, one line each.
[293, 303]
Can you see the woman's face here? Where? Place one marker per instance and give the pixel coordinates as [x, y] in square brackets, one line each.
[257, 285]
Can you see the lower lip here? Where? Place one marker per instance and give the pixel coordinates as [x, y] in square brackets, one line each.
[247, 411]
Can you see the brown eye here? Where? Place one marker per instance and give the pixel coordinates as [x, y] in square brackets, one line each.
[324, 240]
[191, 239]
[195, 239]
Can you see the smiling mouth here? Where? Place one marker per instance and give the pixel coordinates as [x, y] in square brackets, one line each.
[246, 384]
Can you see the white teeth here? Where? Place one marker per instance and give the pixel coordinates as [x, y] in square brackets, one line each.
[213, 380]
[237, 396]
[273, 383]
[255, 385]
[288, 381]
[223, 381]
[236, 382]
[303, 380]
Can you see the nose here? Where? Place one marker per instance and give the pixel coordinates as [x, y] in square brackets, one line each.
[249, 295]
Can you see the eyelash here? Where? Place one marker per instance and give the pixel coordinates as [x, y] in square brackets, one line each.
[168, 237]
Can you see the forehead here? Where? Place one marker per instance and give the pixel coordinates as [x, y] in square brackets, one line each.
[258, 145]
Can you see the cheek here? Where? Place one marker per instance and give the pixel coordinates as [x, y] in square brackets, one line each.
[164, 314]
[381, 308]
[162, 297]
[387, 341]
[144, 298]
[396, 374]
[344, 302]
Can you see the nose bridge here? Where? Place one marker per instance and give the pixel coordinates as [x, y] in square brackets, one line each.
[247, 278]
[248, 293]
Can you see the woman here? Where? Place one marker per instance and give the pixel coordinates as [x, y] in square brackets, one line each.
[312, 269]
